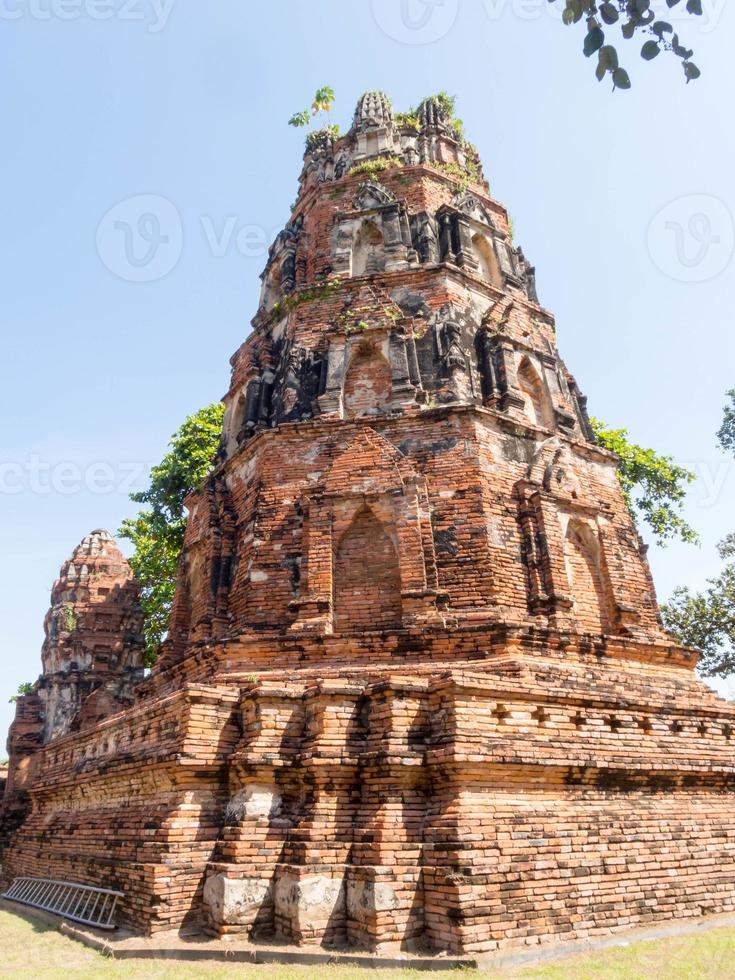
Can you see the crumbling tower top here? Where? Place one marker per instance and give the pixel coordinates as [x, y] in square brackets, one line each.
[93, 630]
[94, 585]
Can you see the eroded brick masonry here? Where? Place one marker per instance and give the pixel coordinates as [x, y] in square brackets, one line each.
[415, 690]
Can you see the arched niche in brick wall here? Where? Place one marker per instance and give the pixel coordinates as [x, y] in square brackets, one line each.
[575, 570]
[538, 407]
[589, 588]
[367, 251]
[489, 267]
[235, 420]
[367, 578]
[368, 382]
[370, 499]
[271, 286]
[367, 370]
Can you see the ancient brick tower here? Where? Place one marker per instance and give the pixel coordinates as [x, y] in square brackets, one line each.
[92, 659]
[415, 689]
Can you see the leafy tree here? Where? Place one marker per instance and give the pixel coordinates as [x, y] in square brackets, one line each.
[636, 20]
[706, 620]
[157, 532]
[654, 486]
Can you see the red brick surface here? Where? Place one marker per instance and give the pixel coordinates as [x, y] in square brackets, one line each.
[415, 687]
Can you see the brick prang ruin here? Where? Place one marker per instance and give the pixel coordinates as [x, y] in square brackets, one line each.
[415, 691]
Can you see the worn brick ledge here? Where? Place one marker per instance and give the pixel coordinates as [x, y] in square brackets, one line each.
[126, 946]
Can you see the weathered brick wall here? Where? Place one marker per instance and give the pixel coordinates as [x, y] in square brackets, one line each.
[523, 802]
[577, 863]
[415, 687]
[134, 804]
[479, 813]
[471, 462]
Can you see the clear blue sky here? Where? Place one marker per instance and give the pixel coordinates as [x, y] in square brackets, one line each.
[105, 100]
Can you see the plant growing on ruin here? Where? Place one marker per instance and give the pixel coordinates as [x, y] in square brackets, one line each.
[446, 105]
[323, 99]
[375, 166]
[325, 288]
[157, 532]
[409, 119]
[654, 486]
[322, 137]
[459, 175]
[320, 104]
[23, 691]
[636, 20]
[69, 619]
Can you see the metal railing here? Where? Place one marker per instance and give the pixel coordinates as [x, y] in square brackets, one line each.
[79, 903]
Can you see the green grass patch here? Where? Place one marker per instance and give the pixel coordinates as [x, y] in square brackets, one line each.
[38, 951]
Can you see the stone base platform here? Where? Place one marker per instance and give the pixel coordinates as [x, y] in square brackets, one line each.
[194, 946]
[464, 811]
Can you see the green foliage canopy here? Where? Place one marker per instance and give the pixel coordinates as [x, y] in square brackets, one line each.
[157, 532]
[654, 486]
[706, 620]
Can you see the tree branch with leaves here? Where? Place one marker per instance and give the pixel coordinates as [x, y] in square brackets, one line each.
[635, 19]
[321, 103]
[654, 486]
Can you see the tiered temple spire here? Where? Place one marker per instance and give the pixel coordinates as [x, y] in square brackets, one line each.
[415, 689]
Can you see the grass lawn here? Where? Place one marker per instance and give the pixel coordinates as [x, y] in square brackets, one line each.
[30, 949]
